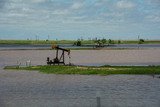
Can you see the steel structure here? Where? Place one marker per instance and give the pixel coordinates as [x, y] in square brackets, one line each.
[60, 59]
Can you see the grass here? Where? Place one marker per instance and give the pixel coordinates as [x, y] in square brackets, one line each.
[84, 70]
[36, 42]
[84, 42]
[136, 42]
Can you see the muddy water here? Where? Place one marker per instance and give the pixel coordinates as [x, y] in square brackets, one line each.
[34, 89]
[48, 46]
[117, 57]
[84, 57]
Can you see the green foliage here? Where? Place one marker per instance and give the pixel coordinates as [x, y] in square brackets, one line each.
[104, 41]
[110, 41]
[84, 70]
[119, 41]
[141, 41]
[78, 43]
[100, 42]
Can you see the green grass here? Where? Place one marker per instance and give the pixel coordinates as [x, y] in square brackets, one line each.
[84, 70]
[36, 42]
[72, 41]
[136, 42]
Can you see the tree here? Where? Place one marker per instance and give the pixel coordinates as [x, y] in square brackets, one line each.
[110, 41]
[104, 41]
[100, 42]
[77, 43]
[119, 41]
[141, 41]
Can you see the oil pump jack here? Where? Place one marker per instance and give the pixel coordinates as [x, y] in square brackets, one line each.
[59, 59]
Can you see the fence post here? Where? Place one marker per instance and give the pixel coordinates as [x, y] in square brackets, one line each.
[98, 98]
[98, 102]
[28, 63]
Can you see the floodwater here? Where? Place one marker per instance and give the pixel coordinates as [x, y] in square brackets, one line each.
[84, 57]
[47, 46]
[34, 89]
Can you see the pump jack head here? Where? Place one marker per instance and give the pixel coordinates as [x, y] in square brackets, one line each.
[54, 46]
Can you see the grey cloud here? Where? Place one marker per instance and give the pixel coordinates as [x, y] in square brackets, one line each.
[71, 11]
[154, 2]
[2, 3]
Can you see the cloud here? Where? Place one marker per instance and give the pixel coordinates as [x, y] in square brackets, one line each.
[2, 3]
[38, 1]
[25, 1]
[153, 18]
[82, 14]
[124, 4]
[72, 10]
[76, 5]
[60, 12]
[153, 2]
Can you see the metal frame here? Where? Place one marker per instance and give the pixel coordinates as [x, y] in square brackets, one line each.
[58, 60]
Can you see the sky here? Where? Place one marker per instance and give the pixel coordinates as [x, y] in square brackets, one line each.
[74, 19]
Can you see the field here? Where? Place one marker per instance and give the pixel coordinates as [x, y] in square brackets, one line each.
[72, 41]
[35, 42]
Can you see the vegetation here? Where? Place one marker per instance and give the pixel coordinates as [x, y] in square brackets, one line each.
[103, 41]
[141, 41]
[135, 42]
[36, 42]
[85, 70]
[119, 41]
[110, 41]
[77, 43]
[100, 42]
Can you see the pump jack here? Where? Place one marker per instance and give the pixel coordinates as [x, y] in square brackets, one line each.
[58, 60]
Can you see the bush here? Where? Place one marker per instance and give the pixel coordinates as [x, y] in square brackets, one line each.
[141, 41]
[77, 43]
[119, 41]
[110, 41]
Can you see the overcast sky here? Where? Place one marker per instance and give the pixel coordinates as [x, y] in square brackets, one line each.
[73, 19]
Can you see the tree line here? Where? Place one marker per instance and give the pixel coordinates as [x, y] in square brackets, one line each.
[103, 42]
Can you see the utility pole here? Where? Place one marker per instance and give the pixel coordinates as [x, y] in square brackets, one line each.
[138, 41]
[48, 37]
[36, 37]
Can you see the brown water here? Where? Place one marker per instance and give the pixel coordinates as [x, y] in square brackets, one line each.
[48, 46]
[84, 57]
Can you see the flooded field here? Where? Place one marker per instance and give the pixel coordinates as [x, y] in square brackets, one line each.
[84, 57]
[31, 88]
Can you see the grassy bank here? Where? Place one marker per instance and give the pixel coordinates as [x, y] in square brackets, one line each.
[36, 42]
[72, 41]
[84, 70]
